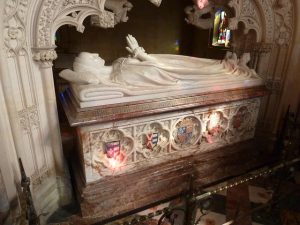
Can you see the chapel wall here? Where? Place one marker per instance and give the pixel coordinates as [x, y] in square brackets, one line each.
[290, 94]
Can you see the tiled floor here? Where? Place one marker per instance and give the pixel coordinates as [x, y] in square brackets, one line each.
[285, 212]
[239, 203]
[224, 207]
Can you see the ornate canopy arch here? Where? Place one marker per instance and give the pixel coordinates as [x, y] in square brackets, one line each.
[56, 13]
[256, 15]
[272, 20]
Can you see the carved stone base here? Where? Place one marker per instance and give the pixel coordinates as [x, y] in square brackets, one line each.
[124, 193]
[128, 163]
[119, 194]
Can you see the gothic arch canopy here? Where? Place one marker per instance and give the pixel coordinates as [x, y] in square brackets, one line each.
[270, 19]
[56, 13]
[256, 15]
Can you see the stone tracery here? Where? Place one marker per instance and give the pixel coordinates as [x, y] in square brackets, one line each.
[55, 13]
[195, 131]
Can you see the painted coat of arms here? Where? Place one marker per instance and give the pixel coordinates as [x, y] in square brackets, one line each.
[112, 149]
[185, 131]
[152, 140]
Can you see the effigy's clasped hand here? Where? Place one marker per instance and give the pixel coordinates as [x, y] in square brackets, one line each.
[138, 51]
[133, 46]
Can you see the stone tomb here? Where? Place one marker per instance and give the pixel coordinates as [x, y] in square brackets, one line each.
[133, 154]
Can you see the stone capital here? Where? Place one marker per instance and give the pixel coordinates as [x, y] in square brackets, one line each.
[44, 56]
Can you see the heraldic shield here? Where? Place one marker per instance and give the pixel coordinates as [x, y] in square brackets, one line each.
[112, 149]
[185, 131]
[152, 140]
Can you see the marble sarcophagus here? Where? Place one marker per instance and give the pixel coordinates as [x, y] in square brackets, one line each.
[133, 154]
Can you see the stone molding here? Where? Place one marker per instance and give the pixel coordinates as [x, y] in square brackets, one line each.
[100, 114]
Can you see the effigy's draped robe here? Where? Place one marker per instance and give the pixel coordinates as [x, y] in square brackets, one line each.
[169, 71]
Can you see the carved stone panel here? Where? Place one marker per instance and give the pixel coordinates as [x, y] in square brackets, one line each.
[186, 133]
[115, 148]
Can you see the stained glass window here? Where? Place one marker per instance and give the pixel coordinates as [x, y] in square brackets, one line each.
[221, 33]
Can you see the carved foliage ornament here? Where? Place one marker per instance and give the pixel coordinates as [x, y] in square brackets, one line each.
[45, 55]
[14, 26]
[120, 8]
[29, 118]
[194, 16]
[284, 22]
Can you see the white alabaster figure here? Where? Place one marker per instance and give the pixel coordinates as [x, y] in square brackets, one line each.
[146, 74]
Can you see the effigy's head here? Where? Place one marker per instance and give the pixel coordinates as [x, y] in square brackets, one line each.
[87, 60]
[91, 58]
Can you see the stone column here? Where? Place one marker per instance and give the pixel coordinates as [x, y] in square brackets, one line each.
[44, 58]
